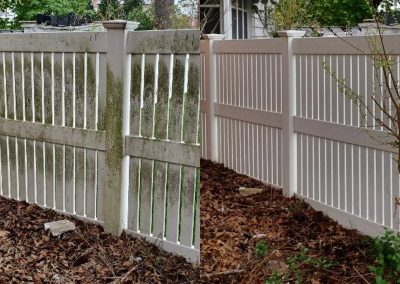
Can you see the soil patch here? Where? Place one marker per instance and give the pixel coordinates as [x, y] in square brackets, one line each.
[30, 254]
[265, 236]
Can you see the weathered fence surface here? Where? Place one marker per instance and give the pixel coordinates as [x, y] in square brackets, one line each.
[269, 109]
[104, 125]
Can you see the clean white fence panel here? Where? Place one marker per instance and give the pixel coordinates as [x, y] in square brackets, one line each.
[247, 106]
[344, 167]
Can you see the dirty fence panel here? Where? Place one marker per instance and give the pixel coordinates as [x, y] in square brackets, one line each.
[52, 105]
[164, 108]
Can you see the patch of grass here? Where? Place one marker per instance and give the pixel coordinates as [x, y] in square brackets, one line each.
[297, 264]
[275, 278]
[261, 248]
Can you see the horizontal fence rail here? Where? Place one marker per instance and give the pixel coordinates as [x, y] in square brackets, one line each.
[271, 109]
[67, 99]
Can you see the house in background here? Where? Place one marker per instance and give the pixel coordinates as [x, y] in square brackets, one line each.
[233, 18]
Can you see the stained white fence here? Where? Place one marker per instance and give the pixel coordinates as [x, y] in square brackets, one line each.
[104, 126]
[270, 110]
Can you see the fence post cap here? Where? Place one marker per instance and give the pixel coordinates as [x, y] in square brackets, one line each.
[115, 24]
[291, 33]
[213, 36]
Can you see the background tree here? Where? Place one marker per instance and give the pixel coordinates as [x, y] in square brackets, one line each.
[110, 10]
[29, 9]
[287, 14]
[130, 5]
[142, 15]
[339, 12]
[5, 7]
[163, 12]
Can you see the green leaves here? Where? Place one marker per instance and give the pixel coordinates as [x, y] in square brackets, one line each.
[339, 12]
[261, 248]
[28, 9]
[290, 14]
[387, 261]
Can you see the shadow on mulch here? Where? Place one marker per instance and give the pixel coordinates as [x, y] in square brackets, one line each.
[287, 230]
[28, 253]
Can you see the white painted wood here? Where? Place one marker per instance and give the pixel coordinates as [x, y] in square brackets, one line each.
[342, 164]
[349, 134]
[61, 42]
[52, 133]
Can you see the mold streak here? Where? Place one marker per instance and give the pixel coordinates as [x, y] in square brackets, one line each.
[4, 166]
[69, 179]
[90, 184]
[100, 186]
[39, 173]
[133, 196]
[188, 197]
[64, 120]
[3, 86]
[79, 182]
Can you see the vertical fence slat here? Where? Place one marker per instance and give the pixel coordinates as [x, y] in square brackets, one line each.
[187, 202]
[59, 177]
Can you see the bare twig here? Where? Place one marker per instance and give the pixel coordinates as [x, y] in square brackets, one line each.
[102, 258]
[228, 272]
[128, 273]
[362, 277]
[84, 253]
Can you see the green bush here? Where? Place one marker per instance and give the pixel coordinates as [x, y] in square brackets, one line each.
[387, 261]
[144, 16]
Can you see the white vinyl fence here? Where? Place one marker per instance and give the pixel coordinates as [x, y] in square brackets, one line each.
[104, 126]
[270, 110]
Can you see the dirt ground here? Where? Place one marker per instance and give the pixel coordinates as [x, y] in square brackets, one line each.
[292, 239]
[29, 254]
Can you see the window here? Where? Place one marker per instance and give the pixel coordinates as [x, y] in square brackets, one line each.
[231, 20]
[210, 18]
[239, 19]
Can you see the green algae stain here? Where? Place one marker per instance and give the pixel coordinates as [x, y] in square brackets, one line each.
[37, 88]
[135, 96]
[190, 120]
[114, 148]
[175, 111]
[148, 101]
[160, 116]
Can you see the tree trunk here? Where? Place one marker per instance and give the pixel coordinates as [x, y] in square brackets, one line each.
[163, 11]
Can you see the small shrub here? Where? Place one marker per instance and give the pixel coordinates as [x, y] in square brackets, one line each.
[387, 261]
[297, 264]
[275, 278]
[261, 248]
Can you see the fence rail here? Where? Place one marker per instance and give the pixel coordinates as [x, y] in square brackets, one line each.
[270, 109]
[104, 126]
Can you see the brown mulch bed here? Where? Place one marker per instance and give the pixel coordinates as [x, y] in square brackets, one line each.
[290, 233]
[29, 254]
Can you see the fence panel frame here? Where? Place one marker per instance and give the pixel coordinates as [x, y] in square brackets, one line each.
[89, 73]
[306, 134]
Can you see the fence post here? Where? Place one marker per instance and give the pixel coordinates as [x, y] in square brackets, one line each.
[211, 73]
[289, 137]
[113, 123]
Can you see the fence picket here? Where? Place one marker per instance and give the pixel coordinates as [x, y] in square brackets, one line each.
[350, 179]
[96, 93]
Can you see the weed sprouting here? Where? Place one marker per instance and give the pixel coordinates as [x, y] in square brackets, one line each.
[261, 248]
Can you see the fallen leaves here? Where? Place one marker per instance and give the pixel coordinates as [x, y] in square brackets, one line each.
[229, 236]
[28, 253]
[4, 234]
